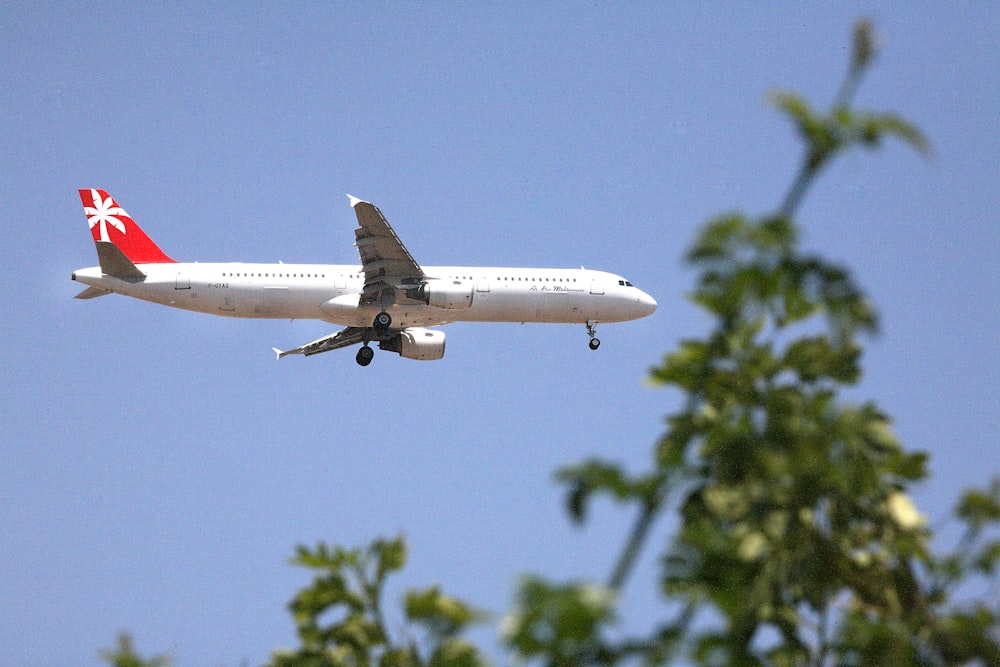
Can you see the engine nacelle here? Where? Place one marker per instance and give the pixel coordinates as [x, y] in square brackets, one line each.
[416, 343]
[450, 294]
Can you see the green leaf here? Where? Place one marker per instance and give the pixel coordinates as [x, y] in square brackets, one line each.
[979, 508]
[455, 652]
[400, 657]
[715, 238]
[441, 614]
[816, 358]
[600, 477]
[561, 623]
[125, 655]
[988, 558]
[967, 637]
[390, 556]
[863, 45]
[869, 129]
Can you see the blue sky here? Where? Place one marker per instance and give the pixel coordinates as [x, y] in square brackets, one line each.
[158, 466]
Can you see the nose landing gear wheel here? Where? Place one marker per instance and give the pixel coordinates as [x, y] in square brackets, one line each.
[595, 342]
[365, 356]
[382, 321]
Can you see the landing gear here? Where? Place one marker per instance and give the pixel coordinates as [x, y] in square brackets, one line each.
[595, 342]
[365, 355]
[382, 322]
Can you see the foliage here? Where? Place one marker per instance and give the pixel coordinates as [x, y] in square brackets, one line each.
[798, 543]
[125, 655]
[340, 622]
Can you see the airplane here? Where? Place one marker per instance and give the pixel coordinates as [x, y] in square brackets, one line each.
[388, 299]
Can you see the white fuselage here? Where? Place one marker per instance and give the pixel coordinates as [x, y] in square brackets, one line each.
[329, 292]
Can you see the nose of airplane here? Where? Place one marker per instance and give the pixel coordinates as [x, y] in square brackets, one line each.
[647, 303]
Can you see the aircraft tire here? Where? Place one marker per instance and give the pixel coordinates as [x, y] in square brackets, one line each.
[382, 321]
[365, 356]
[595, 343]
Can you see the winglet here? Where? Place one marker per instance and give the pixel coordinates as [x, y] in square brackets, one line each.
[354, 200]
[278, 353]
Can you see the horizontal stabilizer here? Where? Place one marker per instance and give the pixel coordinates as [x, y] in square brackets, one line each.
[115, 263]
[92, 293]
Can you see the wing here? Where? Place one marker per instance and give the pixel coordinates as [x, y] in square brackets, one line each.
[387, 264]
[335, 341]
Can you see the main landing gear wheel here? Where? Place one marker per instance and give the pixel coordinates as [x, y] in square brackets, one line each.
[382, 321]
[365, 356]
[595, 342]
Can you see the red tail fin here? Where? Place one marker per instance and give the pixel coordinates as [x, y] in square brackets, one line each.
[109, 222]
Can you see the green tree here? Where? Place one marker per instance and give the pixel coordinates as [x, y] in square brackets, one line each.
[340, 622]
[798, 543]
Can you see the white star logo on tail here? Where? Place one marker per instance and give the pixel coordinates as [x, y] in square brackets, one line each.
[103, 213]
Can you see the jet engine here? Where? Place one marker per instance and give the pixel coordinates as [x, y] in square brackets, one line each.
[450, 294]
[416, 343]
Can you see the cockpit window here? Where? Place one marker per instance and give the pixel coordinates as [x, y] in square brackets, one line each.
[625, 283]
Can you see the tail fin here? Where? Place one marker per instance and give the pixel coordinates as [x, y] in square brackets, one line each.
[109, 223]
